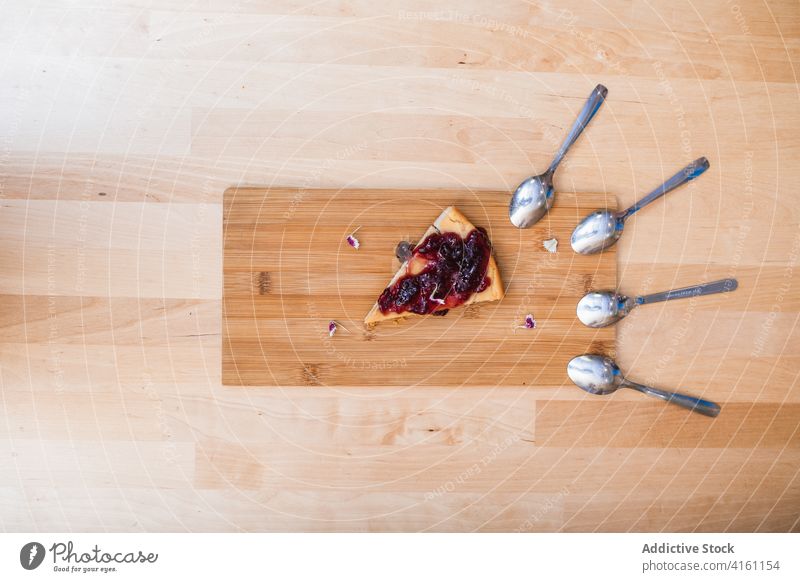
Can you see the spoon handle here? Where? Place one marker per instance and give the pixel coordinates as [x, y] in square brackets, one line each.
[721, 286]
[685, 175]
[696, 404]
[593, 103]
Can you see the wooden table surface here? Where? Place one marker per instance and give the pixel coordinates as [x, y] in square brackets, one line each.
[123, 122]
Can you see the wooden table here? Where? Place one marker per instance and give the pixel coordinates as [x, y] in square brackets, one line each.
[121, 128]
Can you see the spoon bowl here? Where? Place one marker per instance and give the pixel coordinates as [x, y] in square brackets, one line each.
[603, 308]
[600, 375]
[598, 231]
[531, 200]
[595, 374]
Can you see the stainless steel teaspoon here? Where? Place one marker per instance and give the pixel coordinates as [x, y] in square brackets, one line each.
[603, 308]
[534, 196]
[601, 375]
[602, 228]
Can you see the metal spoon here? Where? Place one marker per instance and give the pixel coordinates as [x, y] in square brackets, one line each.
[603, 308]
[600, 375]
[534, 196]
[602, 228]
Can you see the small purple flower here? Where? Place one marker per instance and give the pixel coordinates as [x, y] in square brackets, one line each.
[530, 323]
[352, 240]
[333, 327]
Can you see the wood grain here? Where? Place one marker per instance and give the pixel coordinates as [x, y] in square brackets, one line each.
[123, 124]
[289, 271]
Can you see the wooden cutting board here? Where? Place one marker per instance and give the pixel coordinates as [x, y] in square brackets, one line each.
[288, 271]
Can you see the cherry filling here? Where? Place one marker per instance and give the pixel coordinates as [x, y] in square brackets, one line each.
[455, 269]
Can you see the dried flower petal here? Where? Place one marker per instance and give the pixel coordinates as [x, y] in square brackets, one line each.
[333, 327]
[352, 240]
[404, 251]
[530, 323]
[551, 245]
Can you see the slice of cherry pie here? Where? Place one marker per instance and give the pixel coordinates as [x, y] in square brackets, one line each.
[451, 265]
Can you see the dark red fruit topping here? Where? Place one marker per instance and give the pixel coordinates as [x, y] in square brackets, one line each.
[455, 269]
